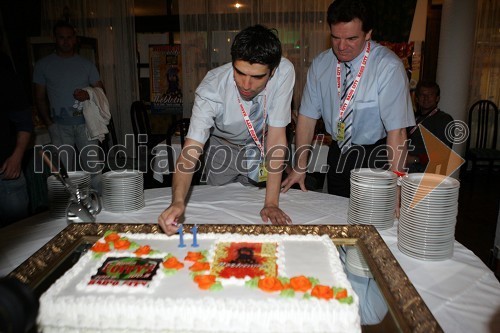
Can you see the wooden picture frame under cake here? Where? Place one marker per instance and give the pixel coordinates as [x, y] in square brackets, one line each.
[407, 311]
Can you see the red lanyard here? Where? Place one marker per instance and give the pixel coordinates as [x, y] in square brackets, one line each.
[422, 120]
[354, 86]
[249, 124]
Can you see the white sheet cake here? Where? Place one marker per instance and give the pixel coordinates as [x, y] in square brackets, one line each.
[241, 283]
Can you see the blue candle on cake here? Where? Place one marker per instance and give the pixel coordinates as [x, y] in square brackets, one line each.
[181, 236]
[194, 231]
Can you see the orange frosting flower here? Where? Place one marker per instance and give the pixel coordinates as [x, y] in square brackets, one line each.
[112, 237]
[270, 284]
[194, 256]
[100, 247]
[121, 244]
[173, 263]
[341, 294]
[200, 266]
[324, 292]
[204, 281]
[300, 283]
[143, 250]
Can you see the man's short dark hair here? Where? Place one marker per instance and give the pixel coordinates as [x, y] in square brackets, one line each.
[427, 84]
[257, 44]
[348, 10]
[63, 24]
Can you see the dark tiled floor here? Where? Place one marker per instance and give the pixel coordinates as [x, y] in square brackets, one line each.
[478, 213]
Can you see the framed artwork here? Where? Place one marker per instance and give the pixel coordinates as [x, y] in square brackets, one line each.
[165, 75]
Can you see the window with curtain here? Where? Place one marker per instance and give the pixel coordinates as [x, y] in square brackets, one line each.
[209, 26]
[485, 72]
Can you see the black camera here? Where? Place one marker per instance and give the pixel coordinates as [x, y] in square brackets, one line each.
[18, 306]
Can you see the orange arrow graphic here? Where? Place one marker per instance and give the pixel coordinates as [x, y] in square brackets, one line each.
[442, 160]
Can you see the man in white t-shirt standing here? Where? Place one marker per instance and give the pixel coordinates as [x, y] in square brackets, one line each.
[244, 108]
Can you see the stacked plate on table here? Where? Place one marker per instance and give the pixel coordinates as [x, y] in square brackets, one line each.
[429, 207]
[355, 263]
[122, 191]
[59, 197]
[373, 197]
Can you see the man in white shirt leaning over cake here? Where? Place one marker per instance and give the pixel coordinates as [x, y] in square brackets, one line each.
[243, 108]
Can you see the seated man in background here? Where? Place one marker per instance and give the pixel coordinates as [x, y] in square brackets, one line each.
[244, 108]
[433, 119]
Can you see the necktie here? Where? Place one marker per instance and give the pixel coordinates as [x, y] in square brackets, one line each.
[257, 119]
[347, 118]
[253, 152]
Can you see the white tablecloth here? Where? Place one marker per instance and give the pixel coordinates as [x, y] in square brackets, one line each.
[462, 293]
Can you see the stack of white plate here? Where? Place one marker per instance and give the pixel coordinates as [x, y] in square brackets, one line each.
[429, 207]
[122, 191]
[355, 263]
[373, 197]
[58, 195]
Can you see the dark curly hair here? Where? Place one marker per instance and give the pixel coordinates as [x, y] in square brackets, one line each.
[348, 10]
[427, 84]
[257, 44]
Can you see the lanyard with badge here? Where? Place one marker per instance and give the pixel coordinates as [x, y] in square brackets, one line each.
[261, 175]
[343, 107]
[421, 120]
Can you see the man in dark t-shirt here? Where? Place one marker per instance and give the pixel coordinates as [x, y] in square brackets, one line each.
[428, 115]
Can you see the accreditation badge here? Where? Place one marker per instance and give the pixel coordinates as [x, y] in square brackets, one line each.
[340, 131]
[262, 172]
[258, 173]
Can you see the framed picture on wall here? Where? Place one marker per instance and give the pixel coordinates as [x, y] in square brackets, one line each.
[165, 77]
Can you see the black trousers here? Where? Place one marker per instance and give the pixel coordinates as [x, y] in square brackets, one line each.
[358, 156]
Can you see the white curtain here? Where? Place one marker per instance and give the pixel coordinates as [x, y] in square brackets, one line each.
[112, 23]
[485, 75]
[208, 28]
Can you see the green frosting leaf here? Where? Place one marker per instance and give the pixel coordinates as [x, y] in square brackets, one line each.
[169, 271]
[107, 233]
[287, 293]
[313, 281]
[98, 255]
[284, 280]
[134, 246]
[252, 283]
[346, 300]
[307, 296]
[216, 286]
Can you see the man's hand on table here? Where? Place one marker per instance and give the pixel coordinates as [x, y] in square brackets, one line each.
[294, 177]
[168, 219]
[275, 215]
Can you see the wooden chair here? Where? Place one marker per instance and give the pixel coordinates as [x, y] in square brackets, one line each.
[143, 136]
[110, 139]
[483, 133]
[141, 125]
